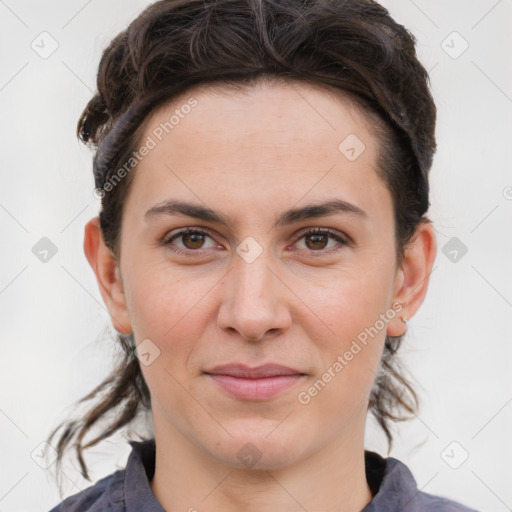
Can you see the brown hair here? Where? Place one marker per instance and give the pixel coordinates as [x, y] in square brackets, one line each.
[353, 47]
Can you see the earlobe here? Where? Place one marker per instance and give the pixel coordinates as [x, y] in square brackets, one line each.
[413, 277]
[108, 275]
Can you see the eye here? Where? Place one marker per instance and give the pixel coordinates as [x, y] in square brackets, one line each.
[192, 240]
[317, 239]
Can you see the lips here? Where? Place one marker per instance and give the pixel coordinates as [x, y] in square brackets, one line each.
[246, 372]
[258, 383]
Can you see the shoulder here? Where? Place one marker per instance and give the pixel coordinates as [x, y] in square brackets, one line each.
[127, 488]
[395, 489]
[419, 501]
[105, 495]
[430, 503]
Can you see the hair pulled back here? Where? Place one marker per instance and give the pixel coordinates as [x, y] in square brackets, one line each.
[353, 47]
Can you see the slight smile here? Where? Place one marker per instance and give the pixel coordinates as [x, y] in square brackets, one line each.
[258, 383]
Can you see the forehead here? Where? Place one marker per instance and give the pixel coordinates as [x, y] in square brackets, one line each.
[272, 113]
[270, 97]
[270, 142]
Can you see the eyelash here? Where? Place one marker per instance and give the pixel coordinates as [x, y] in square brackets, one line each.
[315, 231]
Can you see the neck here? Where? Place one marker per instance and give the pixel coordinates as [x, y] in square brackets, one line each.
[333, 479]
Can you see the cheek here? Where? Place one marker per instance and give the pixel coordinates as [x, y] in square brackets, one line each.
[160, 300]
[352, 315]
[348, 303]
[171, 312]
[349, 353]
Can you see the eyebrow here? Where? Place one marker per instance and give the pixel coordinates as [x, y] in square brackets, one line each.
[287, 217]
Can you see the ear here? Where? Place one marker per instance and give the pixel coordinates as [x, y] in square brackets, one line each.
[413, 276]
[107, 274]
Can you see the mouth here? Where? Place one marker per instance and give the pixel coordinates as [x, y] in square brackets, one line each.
[258, 383]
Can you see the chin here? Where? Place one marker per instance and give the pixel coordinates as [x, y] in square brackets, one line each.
[258, 450]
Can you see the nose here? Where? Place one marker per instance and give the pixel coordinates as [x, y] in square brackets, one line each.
[255, 301]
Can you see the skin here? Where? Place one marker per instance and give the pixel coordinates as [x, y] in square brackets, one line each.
[251, 156]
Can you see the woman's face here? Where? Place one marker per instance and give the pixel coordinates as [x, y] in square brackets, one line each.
[251, 290]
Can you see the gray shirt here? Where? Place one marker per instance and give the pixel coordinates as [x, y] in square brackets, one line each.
[392, 485]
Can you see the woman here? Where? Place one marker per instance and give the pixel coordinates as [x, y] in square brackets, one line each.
[263, 240]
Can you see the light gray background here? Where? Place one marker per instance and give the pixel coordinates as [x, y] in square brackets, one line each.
[52, 317]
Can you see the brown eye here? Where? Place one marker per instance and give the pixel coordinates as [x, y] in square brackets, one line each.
[317, 240]
[192, 240]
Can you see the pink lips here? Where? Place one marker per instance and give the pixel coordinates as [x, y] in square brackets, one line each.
[256, 383]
